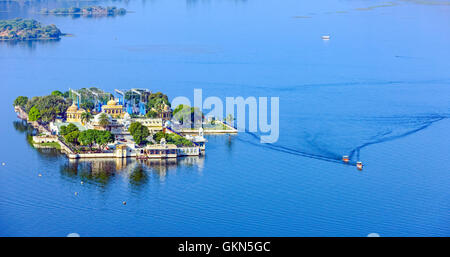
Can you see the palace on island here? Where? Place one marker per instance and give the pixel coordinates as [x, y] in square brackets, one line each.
[136, 123]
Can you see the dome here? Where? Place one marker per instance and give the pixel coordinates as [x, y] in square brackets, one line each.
[166, 108]
[111, 102]
[72, 108]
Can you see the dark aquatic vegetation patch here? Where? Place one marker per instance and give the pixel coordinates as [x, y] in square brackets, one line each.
[27, 29]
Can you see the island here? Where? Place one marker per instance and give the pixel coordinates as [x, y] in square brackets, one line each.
[87, 11]
[92, 123]
[27, 29]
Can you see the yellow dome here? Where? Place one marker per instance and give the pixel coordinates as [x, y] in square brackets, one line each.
[72, 108]
[111, 102]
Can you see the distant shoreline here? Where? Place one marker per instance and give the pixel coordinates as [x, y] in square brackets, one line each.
[86, 11]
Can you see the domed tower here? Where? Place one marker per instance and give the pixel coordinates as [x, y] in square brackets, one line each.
[166, 112]
[113, 109]
[73, 114]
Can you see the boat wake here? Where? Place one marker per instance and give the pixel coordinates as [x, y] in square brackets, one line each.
[348, 137]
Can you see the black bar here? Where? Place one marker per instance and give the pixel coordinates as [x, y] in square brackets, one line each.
[225, 246]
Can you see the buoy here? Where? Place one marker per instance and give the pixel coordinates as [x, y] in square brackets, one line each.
[76, 193]
[124, 203]
[82, 182]
[40, 175]
[359, 165]
[3, 164]
[345, 159]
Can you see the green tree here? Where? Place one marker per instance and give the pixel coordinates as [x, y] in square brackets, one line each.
[72, 137]
[155, 100]
[71, 128]
[64, 130]
[21, 101]
[188, 115]
[66, 94]
[179, 108]
[34, 114]
[87, 137]
[133, 127]
[103, 138]
[158, 136]
[49, 106]
[86, 117]
[88, 105]
[229, 118]
[103, 120]
[57, 93]
[151, 114]
[172, 139]
[139, 132]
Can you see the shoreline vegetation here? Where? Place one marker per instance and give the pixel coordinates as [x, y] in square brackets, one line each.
[27, 29]
[86, 11]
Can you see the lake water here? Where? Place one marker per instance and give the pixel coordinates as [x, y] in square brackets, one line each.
[379, 90]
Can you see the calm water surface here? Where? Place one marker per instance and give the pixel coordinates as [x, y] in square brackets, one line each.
[379, 90]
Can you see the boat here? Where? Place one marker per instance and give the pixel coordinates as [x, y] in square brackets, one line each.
[345, 159]
[326, 37]
[359, 165]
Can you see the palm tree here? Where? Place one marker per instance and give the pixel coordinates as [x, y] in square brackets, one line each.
[86, 117]
[229, 119]
[103, 120]
[159, 106]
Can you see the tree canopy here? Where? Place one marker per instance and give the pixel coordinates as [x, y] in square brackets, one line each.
[87, 137]
[139, 132]
[187, 115]
[151, 114]
[156, 100]
[21, 101]
[64, 130]
[49, 106]
[99, 137]
[87, 105]
[34, 114]
[172, 139]
[72, 137]
[57, 93]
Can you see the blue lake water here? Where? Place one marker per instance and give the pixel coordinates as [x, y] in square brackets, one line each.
[378, 90]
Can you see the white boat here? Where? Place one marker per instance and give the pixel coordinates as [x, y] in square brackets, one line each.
[325, 37]
[359, 165]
